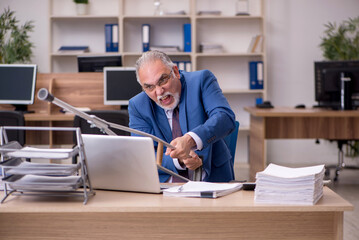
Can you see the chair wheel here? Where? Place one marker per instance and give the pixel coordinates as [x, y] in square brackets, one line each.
[336, 175]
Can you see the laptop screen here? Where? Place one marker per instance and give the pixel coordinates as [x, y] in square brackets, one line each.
[124, 163]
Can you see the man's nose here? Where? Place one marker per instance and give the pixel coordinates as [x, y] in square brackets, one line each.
[159, 90]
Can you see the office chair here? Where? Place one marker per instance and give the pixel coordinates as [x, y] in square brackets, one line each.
[13, 118]
[231, 141]
[341, 164]
[114, 116]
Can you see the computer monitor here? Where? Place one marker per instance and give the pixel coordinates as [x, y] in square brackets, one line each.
[120, 84]
[97, 63]
[17, 85]
[328, 76]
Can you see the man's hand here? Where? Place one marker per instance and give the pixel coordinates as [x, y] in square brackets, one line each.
[183, 146]
[193, 162]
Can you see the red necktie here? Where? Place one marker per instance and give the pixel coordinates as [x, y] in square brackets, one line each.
[176, 128]
[176, 132]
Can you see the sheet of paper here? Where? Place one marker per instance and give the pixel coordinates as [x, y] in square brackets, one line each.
[30, 152]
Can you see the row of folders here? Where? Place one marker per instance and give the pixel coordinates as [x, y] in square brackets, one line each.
[146, 43]
[112, 39]
[112, 42]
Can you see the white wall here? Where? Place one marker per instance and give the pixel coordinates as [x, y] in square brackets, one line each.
[294, 29]
[37, 11]
[294, 32]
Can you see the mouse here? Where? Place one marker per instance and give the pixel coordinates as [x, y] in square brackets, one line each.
[265, 104]
[250, 186]
[300, 106]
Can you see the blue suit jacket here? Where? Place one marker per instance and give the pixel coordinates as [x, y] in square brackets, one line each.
[203, 110]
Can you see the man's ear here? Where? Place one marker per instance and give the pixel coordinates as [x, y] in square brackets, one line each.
[176, 71]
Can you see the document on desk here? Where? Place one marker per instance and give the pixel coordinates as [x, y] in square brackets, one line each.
[292, 186]
[202, 189]
[49, 169]
[45, 183]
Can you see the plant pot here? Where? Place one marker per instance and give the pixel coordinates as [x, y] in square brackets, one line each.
[81, 8]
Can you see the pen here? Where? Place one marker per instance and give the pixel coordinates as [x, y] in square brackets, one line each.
[180, 188]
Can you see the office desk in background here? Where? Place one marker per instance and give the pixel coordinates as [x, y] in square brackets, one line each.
[125, 215]
[291, 123]
[49, 120]
[76, 89]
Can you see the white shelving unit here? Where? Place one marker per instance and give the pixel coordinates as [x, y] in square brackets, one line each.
[233, 32]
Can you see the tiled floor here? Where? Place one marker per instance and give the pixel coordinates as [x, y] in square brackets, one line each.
[347, 187]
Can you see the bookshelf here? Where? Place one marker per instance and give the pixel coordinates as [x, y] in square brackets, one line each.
[233, 32]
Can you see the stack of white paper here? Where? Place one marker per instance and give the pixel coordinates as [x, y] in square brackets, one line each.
[207, 47]
[165, 48]
[293, 186]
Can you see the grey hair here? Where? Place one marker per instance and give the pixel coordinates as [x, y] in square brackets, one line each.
[152, 56]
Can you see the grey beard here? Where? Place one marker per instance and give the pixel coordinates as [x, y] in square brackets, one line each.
[176, 98]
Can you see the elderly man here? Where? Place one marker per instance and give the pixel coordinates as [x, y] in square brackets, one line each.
[188, 110]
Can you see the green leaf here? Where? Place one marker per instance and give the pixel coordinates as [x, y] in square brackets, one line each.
[341, 42]
[15, 45]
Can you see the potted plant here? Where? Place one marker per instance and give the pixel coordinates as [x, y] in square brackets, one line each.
[15, 46]
[81, 7]
[342, 42]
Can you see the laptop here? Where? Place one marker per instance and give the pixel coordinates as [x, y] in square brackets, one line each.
[124, 163]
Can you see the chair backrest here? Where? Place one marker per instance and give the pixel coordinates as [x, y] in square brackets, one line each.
[120, 117]
[114, 116]
[13, 118]
[231, 141]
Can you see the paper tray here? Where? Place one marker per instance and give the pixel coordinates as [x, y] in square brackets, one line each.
[43, 183]
[19, 167]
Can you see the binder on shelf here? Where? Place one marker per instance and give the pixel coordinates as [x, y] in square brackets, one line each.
[114, 41]
[187, 46]
[184, 65]
[181, 66]
[108, 37]
[111, 37]
[256, 75]
[145, 37]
